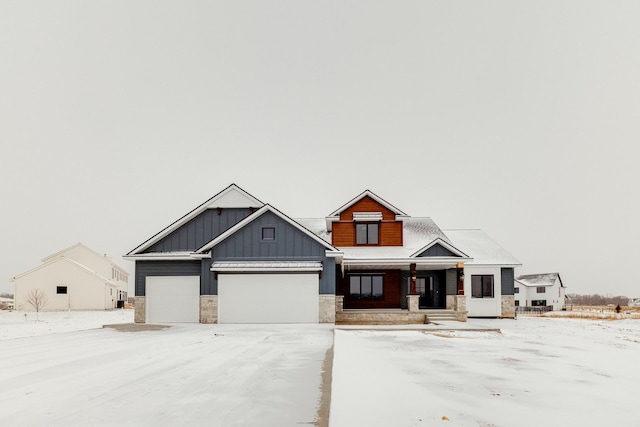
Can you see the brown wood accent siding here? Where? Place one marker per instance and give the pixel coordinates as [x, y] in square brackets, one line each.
[392, 283]
[367, 204]
[344, 232]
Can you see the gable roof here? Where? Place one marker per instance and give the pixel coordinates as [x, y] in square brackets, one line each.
[59, 253]
[231, 197]
[418, 235]
[544, 279]
[71, 262]
[371, 194]
[444, 244]
[266, 208]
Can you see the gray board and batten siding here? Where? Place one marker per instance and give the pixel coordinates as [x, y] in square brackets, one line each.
[246, 244]
[164, 268]
[289, 244]
[507, 281]
[200, 230]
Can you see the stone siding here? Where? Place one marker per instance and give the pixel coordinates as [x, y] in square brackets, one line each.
[139, 311]
[208, 309]
[508, 306]
[327, 309]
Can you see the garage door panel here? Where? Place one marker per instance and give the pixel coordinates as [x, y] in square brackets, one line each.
[172, 299]
[268, 298]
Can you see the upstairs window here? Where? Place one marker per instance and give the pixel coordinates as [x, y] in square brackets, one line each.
[367, 233]
[540, 290]
[482, 286]
[268, 233]
[516, 290]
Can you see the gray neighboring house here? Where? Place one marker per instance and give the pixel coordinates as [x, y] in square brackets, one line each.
[234, 259]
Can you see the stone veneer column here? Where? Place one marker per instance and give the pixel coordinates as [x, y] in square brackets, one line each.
[327, 309]
[208, 308]
[451, 302]
[508, 306]
[139, 310]
[460, 306]
[339, 303]
[413, 302]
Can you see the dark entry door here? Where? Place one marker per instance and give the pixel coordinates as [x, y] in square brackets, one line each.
[429, 291]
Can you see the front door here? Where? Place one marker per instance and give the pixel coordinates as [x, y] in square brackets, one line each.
[431, 295]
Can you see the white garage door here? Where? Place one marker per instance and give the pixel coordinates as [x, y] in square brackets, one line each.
[268, 298]
[172, 299]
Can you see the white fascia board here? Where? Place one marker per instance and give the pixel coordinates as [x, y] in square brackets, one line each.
[330, 220]
[374, 197]
[334, 254]
[257, 214]
[209, 204]
[446, 245]
[405, 261]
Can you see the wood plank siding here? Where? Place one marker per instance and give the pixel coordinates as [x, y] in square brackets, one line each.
[344, 232]
[392, 284]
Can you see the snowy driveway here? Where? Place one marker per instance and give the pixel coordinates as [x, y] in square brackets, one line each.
[185, 375]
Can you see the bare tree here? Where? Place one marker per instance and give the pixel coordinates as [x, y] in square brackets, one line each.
[38, 300]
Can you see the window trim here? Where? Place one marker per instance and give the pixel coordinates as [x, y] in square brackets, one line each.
[367, 233]
[483, 293]
[268, 239]
[370, 296]
[541, 290]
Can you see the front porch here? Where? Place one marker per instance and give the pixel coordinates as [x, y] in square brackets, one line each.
[397, 316]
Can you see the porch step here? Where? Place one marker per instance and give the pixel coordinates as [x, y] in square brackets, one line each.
[440, 315]
[396, 317]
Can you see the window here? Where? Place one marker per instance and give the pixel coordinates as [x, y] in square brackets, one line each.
[367, 233]
[516, 290]
[366, 287]
[539, 303]
[61, 290]
[482, 286]
[517, 303]
[540, 290]
[268, 233]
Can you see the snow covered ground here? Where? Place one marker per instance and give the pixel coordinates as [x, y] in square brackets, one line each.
[538, 371]
[66, 370]
[192, 375]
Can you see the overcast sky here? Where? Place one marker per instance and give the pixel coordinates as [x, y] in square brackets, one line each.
[518, 118]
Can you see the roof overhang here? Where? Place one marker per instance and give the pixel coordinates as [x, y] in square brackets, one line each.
[163, 256]
[430, 263]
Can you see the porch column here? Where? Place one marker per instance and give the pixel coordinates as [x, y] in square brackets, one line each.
[460, 270]
[412, 273]
[413, 302]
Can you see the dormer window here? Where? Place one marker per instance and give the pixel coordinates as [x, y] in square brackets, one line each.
[367, 227]
[367, 233]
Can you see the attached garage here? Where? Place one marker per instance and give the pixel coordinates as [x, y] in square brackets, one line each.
[268, 297]
[172, 299]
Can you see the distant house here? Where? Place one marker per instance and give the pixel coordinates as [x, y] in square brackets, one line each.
[234, 259]
[75, 278]
[634, 302]
[540, 290]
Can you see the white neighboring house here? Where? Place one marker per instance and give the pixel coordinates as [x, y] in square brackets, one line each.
[634, 302]
[540, 290]
[75, 278]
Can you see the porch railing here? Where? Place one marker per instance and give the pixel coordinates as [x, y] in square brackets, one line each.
[534, 310]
